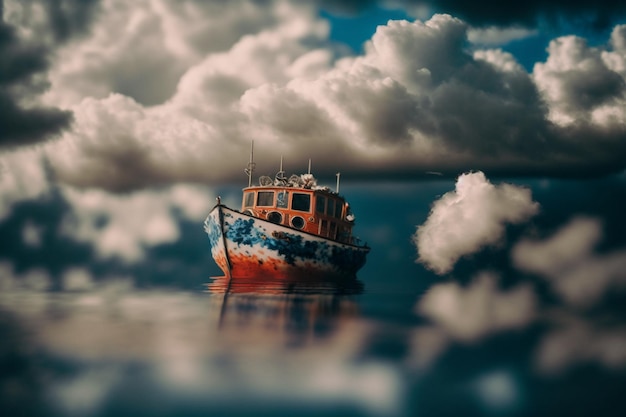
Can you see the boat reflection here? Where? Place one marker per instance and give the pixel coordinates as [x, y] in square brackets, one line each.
[297, 310]
[303, 285]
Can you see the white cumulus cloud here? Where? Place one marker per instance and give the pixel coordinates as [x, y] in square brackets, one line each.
[179, 88]
[579, 85]
[469, 218]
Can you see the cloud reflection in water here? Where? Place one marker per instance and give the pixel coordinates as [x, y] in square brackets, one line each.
[113, 350]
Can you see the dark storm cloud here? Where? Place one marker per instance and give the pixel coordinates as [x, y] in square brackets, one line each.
[493, 12]
[488, 111]
[125, 167]
[18, 61]
[23, 62]
[20, 64]
[597, 14]
[589, 92]
[26, 126]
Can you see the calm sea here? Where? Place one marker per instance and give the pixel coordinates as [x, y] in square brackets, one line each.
[285, 350]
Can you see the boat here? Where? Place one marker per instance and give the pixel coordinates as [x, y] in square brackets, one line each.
[286, 228]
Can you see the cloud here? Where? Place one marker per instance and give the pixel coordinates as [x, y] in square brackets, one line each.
[125, 226]
[499, 390]
[51, 22]
[576, 341]
[494, 35]
[30, 33]
[427, 344]
[417, 100]
[172, 36]
[85, 393]
[178, 140]
[597, 14]
[22, 121]
[155, 234]
[77, 279]
[580, 85]
[469, 314]
[22, 177]
[119, 145]
[580, 322]
[567, 260]
[473, 216]
[97, 332]
[34, 281]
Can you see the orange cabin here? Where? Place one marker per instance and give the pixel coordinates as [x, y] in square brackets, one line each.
[316, 211]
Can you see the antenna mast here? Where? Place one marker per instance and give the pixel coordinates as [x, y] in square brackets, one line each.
[280, 175]
[251, 165]
[309, 165]
[338, 176]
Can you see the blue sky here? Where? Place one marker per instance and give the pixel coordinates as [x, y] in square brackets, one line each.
[355, 29]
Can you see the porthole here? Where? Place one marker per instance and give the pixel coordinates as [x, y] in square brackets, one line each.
[297, 222]
[275, 217]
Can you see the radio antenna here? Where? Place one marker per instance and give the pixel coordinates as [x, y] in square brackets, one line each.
[251, 165]
[280, 177]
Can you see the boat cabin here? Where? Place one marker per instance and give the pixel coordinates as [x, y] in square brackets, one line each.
[317, 211]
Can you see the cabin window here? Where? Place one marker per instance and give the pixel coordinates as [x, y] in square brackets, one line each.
[320, 204]
[330, 210]
[301, 202]
[248, 200]
[338, 209]
[265, 199]
[282, 199]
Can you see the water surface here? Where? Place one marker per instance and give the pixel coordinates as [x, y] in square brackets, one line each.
[275, 348]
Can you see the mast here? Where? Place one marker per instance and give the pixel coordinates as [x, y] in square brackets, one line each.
[309, 166]
[338, 176]
[251, 165]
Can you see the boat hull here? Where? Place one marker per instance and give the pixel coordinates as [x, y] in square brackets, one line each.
[244, 246]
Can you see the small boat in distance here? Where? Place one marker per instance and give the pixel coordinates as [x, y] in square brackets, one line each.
[287, 228]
